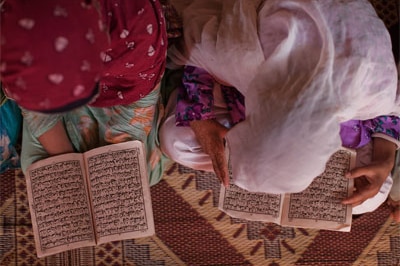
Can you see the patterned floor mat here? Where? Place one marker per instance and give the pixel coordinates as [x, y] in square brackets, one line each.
[191, 230]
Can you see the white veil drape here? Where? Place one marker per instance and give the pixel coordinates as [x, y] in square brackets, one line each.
[303, 66]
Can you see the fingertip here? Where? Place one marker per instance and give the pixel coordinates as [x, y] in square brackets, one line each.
[395, 216]
[226, 182]
[353, 201]
[346, 201]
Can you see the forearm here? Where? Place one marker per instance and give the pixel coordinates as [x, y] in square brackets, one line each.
[384, 151]
[205, 129]
[55, 141]
[49, 130]
[210, 134]
[386, 127]
[395, 191]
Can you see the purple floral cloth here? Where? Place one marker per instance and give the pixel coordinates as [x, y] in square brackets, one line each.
[357, 133]
[196, 100]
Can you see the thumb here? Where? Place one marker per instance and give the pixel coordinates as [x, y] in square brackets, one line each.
[396, 215]
[360, 171]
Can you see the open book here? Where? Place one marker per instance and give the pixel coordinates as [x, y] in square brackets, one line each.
[79, 200]
[319, 206]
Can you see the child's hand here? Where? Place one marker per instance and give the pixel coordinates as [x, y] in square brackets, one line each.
[369, 179]
[394, 209]
[210, 134]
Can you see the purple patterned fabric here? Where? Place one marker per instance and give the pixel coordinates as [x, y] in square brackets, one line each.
[196, 99]
[195, 102]
[356, 133]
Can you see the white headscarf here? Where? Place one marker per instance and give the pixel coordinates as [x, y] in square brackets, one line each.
[303, 66]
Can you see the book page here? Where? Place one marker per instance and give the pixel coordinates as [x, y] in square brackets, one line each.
[240, 203]
[120, 193]
[319, 206]
[59, 204]
[255, 206]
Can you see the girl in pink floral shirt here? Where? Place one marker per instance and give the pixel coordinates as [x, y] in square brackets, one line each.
[86, 74]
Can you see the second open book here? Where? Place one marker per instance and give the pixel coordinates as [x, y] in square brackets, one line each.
[79, 200]
[319, 206]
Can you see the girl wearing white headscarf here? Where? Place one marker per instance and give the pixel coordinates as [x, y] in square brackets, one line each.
[303, 67]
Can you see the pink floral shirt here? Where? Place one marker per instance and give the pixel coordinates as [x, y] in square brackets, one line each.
[60, 54]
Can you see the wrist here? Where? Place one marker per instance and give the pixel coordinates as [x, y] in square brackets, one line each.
[384, 152]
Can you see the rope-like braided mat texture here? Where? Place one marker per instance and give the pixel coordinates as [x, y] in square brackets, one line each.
[190, 230]
[387, 10]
